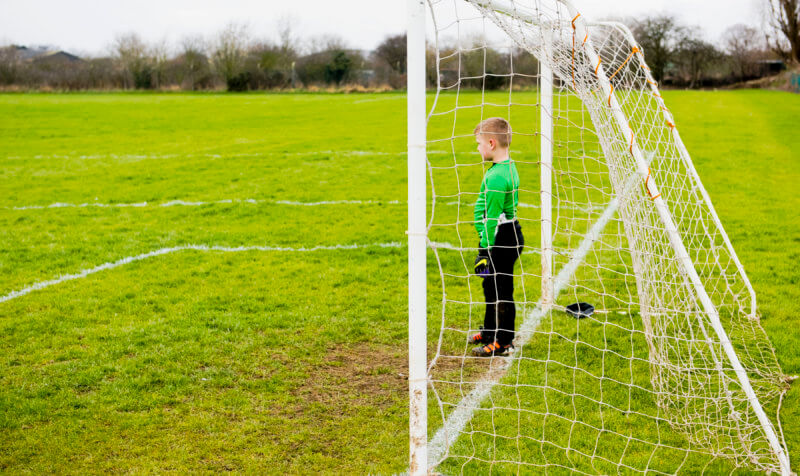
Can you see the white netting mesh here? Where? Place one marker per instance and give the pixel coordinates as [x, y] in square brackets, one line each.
[644, 384]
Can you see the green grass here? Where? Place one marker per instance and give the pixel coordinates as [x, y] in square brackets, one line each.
[263, 361]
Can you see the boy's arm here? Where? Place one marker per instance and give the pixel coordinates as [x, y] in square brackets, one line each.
[495, 194]
[480, 210]
[495, 198]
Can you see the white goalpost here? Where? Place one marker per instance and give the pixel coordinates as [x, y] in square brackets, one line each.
[672, 371]
[417, 244]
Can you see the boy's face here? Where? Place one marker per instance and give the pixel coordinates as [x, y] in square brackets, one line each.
[486, 146]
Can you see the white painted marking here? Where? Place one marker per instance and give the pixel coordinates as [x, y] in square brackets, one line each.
[337, 202]
[451, 247]
[185, 203]
[557, 206]
[78, 205]
[163, 251]
[199, 203]
[341, 153]
[362, 101]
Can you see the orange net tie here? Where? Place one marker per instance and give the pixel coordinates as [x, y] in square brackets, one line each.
[610, 94]
[631, 146]
[633, 52]
[597, 68]
[646, 180]
[573, 51]
[671, 125]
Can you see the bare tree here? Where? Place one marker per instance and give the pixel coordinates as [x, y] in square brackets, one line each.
[10, 64]
[289, 47]
[743, 44]
[285, 27]
[131, 54]
[229, 52]
[99, 74]
[318, 44]
[695, 57]
[659, 37]
[784, 20]
[159, 55]
[526, 67]
[267, 66]
[488, 68]
[392, 50]
[193, 59]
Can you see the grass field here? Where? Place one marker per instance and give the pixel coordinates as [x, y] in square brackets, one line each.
[290, 357]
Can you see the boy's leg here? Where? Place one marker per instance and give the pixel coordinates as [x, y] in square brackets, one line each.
[505, 307]
[490, 298]
[498, 287]
[507, 256]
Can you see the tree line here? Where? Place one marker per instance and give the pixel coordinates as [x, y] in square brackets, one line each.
[235, 61]
[232, 60]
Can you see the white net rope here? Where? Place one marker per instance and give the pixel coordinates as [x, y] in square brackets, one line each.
[644, 384]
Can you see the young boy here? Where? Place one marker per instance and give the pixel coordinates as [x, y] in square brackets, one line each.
[500, 235]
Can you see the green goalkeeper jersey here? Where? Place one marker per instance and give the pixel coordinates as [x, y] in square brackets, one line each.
[497, 201]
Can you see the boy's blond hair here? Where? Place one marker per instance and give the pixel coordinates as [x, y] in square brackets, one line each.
[497, 128]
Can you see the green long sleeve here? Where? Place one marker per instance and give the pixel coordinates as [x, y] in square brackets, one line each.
[499, 195]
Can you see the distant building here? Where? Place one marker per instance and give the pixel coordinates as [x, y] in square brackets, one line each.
[56, 57]
[43, 54]
[770, 67]
[26, 53]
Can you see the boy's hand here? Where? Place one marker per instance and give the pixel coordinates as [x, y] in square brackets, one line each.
[482, 263]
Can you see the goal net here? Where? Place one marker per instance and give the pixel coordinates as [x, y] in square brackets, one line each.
[673, 371]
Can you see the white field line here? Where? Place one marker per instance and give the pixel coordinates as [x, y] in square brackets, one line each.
[200, 203]
[345, 153]
[163, 251]
[362, 101]
[439, 446]
[589, 208]
[337, 202]
[466, 249]
[341, 153]
[185, 203]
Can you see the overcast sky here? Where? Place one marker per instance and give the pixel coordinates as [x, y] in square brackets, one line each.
[89, 26]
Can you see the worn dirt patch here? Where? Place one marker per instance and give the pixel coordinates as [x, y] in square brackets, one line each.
[455, 375]
[357, 376]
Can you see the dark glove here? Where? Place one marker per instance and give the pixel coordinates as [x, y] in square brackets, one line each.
[482, 263]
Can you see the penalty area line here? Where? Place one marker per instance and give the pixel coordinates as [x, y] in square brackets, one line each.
[185, 203]
[253, 201]
[208, 155]
[163, 251]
